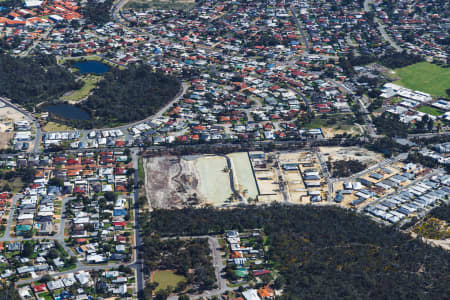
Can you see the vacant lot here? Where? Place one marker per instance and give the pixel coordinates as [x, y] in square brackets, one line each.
[430, 110]
[349, 153]
[5, 137]
[245, 181]
[166, 278]
[169, 181]
[425, 77]
[214, 179]
[52, 126]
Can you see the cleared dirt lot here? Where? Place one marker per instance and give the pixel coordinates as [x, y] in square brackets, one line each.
[8, 116]
[5, 137]
[8, 113]
[175, 182]
[169, 181]
[351, 153]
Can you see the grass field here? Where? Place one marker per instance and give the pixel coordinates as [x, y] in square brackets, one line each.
[90, 82]
[430, 110]
[425, 77]
[52, 126]
[166, 278]
[16, 185]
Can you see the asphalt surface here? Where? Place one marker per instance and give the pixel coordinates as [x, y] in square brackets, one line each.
[381, 27]
[38, 134]
[138, 265]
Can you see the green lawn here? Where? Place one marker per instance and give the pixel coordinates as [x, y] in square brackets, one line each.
[430, 110]
[316, 123]
[425, 77]
[45, 296]
[166, 278]
[90, 82]
[141, 172]
[15, 184]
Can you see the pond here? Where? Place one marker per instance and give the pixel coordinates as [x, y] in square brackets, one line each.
[67, 111]
[92, 67]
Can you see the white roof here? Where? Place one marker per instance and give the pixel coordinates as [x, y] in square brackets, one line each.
[251, 295]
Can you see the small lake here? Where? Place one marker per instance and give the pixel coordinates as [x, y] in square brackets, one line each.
[92, 67]
[67, 111]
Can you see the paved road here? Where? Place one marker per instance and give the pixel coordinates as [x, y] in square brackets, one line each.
[10, 217]
[302, 33]
[218, 267]
[41, 37]
[366, 114]
[381, 27]
[38, 135]
[372, 203]
[138, 265]
[78, 269]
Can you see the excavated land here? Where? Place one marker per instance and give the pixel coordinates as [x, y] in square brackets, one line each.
[170, 182]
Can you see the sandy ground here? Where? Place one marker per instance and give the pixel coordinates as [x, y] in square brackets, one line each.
[5, 137]
[347, 153]
[7, 118]
[330, 132]
[169, 181]
[244, 179]
[297, 189]
[214, 184]
[444, 244]
[7, 113]
[174, 182]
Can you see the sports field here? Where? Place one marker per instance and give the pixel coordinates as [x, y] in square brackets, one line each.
[425, 77]
[166, 278]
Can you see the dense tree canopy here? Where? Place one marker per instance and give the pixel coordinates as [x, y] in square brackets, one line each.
[442, 212]
[97, 12]
[32, 80]
[129, 95]
[345, 168]
[326, 253]
[190, 258]
[8, 293]
[391, 125]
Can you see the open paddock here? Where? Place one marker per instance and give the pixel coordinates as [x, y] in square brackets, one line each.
[243, 174]
[214, 179]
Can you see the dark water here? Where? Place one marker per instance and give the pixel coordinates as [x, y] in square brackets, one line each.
[69, 112]
[92, 67]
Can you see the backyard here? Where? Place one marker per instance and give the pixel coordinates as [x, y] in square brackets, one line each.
[425, 77]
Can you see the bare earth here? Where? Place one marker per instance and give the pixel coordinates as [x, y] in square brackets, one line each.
[5, 137]
[169, 181]
[346, 153]
[7, 118]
